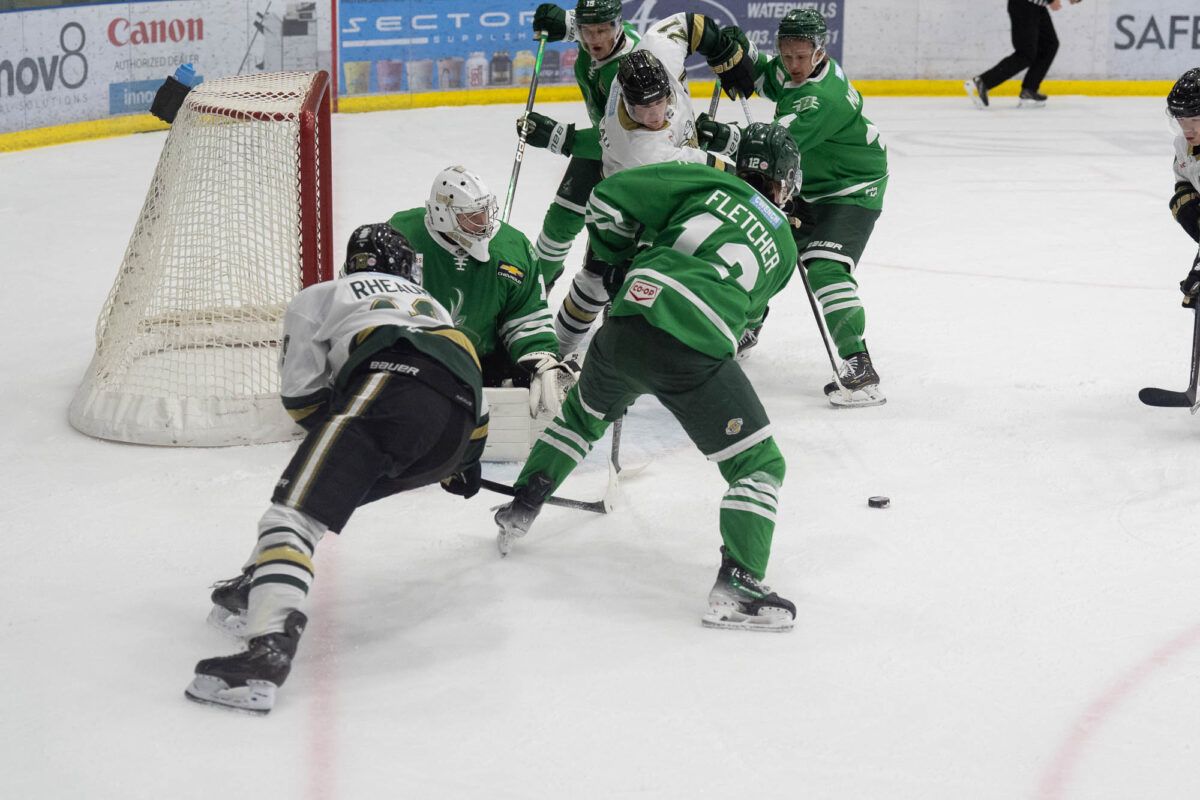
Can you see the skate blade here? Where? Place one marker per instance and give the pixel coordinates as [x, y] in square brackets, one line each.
[256, 697]
[973, 93]
[1031, 104]
[505, 538]
[858, 398]
[227, 622]
[732, 620]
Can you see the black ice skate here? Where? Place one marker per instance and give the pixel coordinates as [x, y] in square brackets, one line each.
[976, 91]
[747, 343]
[740, 602]
[857, 383]
[1031, 99]
[230, 600]
[247, 681]
[515, 518]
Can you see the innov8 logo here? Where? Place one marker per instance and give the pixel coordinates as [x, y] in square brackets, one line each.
[69, 70]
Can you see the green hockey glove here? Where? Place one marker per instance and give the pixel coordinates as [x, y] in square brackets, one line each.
[464, 483]
[733, 63]
[550, 20]
[717, 137]
[541, 131]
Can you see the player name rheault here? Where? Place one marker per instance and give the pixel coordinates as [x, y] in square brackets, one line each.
[728, 208]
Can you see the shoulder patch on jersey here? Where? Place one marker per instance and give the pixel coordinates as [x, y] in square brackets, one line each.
[642, 292]
[768, 210]
[510, 271]
[806, 103]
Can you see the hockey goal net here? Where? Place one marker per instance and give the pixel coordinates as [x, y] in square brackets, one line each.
[237, 220]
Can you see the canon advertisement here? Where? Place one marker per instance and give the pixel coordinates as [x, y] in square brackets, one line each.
[90, 62]
[446, 45]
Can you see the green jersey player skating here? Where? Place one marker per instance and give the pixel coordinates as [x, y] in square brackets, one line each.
[845, 175]
[481, 269]
[604, 39]
[693, 253]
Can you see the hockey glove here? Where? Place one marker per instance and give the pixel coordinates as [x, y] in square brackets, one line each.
[546, 386]
[465, 482]
[717, 137]
[1185, 208]
[1190, 286]
[552, 21]
[733, 63]
[541, 131]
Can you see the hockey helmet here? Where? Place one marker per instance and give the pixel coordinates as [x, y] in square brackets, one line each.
[379, 247]
[1184, 97]
[463, 210]
[768, 160]
[643, 79]
[593, 12]
[803, 23]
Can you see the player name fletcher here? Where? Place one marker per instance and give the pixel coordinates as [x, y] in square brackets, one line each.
[733, 211]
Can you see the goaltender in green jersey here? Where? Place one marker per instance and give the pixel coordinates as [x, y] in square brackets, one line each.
[693, 253]
[841, 196]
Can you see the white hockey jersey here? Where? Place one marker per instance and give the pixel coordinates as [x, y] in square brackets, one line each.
[1187, 162]
[627, 144]
[322, 321]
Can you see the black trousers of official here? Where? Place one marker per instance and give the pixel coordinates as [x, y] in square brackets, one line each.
[1034, 43]
[387, 433]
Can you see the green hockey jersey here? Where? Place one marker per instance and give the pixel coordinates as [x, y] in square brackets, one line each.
[498, 303]
[842, 158]
[595, 77]
[706, 252]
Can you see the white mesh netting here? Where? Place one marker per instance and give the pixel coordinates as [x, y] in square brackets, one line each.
[188, 340]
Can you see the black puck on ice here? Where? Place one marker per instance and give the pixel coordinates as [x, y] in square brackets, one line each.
[879, 501]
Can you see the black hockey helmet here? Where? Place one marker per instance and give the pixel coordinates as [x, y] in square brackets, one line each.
[766, 155]
[643, 79]
[379, 248]
[1184, 97]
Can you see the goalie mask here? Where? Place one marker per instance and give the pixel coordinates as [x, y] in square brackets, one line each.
[380, 248]
[463, 210]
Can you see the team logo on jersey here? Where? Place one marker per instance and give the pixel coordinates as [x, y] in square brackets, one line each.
[769, 211]
[643, 293]
[510, 271]
[733, 427]
[806, 104]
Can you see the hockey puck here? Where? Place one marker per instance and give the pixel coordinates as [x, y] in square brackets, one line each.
[879, 501]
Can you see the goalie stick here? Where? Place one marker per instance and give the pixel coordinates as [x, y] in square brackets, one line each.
[595, 506]
[1164, 398]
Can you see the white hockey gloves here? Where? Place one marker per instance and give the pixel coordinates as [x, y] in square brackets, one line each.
[551, 380]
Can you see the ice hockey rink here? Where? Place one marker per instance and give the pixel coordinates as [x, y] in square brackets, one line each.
[1021, 623]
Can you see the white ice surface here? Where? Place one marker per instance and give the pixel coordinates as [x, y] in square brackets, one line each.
[1021, 623]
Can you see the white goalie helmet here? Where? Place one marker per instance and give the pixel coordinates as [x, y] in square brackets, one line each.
[462, 208]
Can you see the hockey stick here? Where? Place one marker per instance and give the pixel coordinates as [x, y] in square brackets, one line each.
[596, 506]
[716, 99]
[521, 137]
[812, 302]
[1165, 398]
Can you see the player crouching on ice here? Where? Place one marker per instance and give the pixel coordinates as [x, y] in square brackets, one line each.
[714, 249]
[1183, 108]
[391, 396]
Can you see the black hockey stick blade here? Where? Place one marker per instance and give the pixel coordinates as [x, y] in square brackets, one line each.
[1165, 398]
[595, 506]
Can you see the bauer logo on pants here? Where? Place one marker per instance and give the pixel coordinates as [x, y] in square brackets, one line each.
[642, 292]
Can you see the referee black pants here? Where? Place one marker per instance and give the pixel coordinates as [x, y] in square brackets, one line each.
[1034, 44]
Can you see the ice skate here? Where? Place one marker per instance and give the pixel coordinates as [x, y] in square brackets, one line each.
[515, 518]
[230, 600]
[976, 91]
[748, 342]
[1031, 99]
[247, 681]
[857, 384]
[738, 601]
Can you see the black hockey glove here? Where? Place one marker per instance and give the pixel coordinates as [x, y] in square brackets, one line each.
[733, 63]
[541, 131]
[717, 137]
[550, 20]
[465, 482]
[169, 99]
[1185, 208]
[1190, 286]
